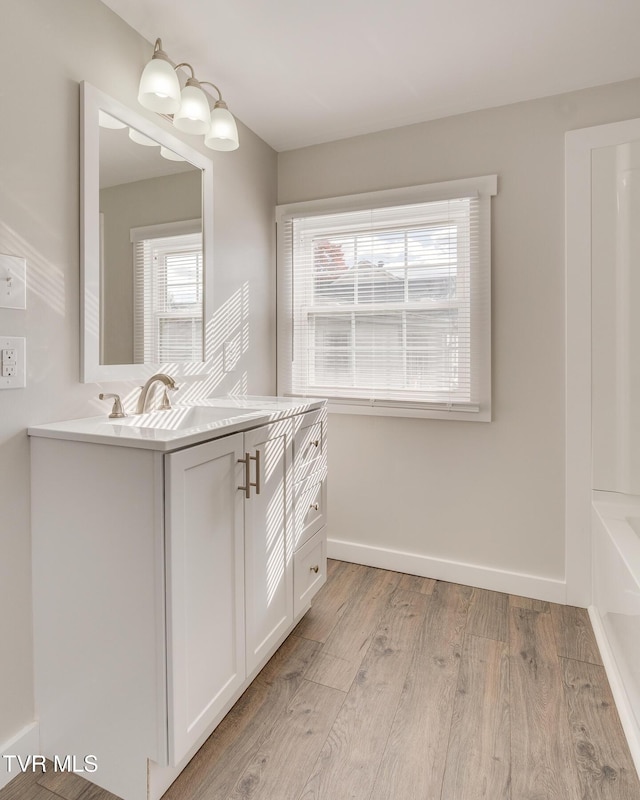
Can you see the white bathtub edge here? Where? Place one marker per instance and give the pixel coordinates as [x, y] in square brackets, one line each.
[620, 697]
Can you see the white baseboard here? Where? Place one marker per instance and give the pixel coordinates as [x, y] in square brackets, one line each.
[620, 696]
[453, 571]
[26, 743]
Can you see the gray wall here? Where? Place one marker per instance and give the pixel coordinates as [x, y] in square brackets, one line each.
[46, 49]
[485, 494]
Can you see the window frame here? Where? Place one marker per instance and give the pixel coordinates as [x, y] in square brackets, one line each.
[482, 188]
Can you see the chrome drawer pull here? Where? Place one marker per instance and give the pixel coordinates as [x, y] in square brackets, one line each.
[315, 506]
[316, 443]
[315, 569]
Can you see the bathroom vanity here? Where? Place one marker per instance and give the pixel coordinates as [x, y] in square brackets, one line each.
[173, 553]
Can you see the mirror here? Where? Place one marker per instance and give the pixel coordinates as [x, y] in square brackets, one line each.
[147, 241]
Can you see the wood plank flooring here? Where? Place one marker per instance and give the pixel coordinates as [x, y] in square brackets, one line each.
[395, 687]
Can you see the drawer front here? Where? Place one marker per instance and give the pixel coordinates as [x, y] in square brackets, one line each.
[309, 444]
[309, 571]
[309, 510]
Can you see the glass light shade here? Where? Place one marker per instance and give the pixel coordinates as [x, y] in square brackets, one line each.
[140, 138]
[223, 131]
[193, 115]
[107, 121]
[170, 155]
[159, 87]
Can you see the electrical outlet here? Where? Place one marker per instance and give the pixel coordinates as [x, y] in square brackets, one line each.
[13, 367]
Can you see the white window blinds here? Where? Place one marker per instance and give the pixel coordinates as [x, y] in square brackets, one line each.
[388, 306]
[168, 293]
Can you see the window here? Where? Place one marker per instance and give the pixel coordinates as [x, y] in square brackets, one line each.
[168, 293]
[384, 300]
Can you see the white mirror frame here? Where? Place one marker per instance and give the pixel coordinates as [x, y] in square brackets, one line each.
[579, 145]
[92, 100]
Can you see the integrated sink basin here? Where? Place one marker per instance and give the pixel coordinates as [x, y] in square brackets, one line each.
[183, 417]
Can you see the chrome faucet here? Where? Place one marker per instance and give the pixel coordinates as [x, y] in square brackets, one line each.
[143, 400]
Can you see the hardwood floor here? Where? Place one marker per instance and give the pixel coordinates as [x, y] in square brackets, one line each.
[395, 687]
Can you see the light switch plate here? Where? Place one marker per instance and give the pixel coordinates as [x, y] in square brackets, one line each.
[13, 281]
[13, 366]
[230, 355]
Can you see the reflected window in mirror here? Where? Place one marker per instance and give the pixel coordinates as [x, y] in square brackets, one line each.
[168, 292]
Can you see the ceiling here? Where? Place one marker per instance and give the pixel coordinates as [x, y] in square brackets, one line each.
[301, 72]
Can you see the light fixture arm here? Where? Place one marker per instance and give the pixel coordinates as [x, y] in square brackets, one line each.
[208, 83]
[158, 52]
[185, 64]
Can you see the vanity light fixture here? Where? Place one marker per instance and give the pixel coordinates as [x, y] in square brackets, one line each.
[160, 92]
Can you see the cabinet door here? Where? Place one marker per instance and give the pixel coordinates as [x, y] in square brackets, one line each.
[268, 546]
[205, 587]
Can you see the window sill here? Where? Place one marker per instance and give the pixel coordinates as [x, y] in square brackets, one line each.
[408, 411]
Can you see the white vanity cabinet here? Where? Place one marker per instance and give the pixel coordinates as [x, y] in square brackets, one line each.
[164, 579]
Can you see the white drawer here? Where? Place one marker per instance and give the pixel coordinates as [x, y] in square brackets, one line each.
[309, 571]
[309, 443]
[309, 509]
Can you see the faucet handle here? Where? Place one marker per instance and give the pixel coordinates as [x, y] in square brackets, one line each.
[117, 412]
[165, 403]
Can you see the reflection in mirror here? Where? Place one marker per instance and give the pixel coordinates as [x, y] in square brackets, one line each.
[151, 251]
[147, 243]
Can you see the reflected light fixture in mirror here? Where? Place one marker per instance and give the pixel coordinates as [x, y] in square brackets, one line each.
[170, 155]
[140, 138]
[107, 121]
[160, 91]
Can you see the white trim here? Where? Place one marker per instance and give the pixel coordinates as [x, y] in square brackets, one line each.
[620, 696]
[25, 743]
[164, 229]
[496, 580]
[381, 409]
[578, 147]
[446, 190]
[483, 188]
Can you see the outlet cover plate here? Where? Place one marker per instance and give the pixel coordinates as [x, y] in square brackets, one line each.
[18, 345]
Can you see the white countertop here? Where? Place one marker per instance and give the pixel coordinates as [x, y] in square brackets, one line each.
[171, 430]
